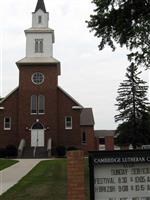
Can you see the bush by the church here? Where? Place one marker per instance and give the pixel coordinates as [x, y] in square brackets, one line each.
[11, 151]
[60, 151]
[2, 152]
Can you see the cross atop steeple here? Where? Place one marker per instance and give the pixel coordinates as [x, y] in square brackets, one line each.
[40, 5]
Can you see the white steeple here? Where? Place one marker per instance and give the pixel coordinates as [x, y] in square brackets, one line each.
[39, 38]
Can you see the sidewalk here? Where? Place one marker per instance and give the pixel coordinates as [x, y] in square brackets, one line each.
[10, 176]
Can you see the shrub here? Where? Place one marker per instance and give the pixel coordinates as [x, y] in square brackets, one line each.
[53, 151]
[11, 150]
[2, 152]
[61, 151]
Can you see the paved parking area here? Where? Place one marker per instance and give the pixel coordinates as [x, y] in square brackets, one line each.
[10, 176]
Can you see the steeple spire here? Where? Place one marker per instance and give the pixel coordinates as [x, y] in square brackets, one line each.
[40, 5]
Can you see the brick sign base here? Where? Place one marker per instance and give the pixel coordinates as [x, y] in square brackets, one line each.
[75, 177]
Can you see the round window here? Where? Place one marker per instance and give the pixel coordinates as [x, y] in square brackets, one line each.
[37, 78]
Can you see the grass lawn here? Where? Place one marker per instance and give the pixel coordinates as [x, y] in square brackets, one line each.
[47, 181]
[4, 163]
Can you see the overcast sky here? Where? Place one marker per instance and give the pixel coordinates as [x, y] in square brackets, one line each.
[91, 76]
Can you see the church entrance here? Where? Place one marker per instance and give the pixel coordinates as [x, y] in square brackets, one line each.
[37, 135]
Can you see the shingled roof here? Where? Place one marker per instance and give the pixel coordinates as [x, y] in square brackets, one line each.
[104, 133]
[40, 5]
[86, 117]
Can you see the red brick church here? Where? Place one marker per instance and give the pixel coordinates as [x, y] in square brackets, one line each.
[38, 112]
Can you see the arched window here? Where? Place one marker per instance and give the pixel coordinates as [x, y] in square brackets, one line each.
[37, 104]
[33, 104]
[41, 104]
[37, 125]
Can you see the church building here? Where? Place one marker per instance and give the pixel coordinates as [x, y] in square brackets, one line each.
[39, 112]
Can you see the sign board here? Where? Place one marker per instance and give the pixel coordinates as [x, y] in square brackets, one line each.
[120, 175]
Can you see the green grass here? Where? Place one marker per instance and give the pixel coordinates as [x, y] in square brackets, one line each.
[47, 181]
[4, 163]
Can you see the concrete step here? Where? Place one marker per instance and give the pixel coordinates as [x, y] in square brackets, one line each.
[27, 152]
[41, 152]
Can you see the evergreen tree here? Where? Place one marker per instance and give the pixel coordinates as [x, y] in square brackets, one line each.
[133, 110]
[125, 22]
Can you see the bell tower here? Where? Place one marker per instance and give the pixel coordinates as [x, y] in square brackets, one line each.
[38, 77]
[39, 38]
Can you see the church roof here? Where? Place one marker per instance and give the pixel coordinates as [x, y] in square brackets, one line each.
[104, 133]
[38, 60]
[34, 61]
[86, 117]
[40, 5]
[70, 97]
[3, 99]
[39, 30]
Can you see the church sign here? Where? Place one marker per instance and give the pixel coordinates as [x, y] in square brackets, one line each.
[120, 175]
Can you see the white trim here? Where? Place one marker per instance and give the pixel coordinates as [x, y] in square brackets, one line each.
[9, 95]
[36, 74]
[43, 104]
[77, 107]
[37, 105]
[36, 123]
[68, 95]
[31, 104]
[38, 45]
[37, 138]
[2, 108]
[5, 128]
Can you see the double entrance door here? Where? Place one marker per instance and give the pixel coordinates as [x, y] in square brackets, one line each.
[37, 137]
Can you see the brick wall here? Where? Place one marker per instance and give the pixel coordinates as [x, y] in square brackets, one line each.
[58, 104]
[10, 105]
[68, 137]
[75, 170]
[91, 142]
[49, 89]
[109, 143]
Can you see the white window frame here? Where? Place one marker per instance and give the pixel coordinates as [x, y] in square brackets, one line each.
[38, 45]
[66, 123]
[37, 78]
[36, 111]
[9, 123]
[43, 104]
[37, 105]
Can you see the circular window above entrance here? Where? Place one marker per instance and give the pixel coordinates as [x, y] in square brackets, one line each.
[37, 78]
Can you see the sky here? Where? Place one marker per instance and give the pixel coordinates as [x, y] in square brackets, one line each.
[90, 76]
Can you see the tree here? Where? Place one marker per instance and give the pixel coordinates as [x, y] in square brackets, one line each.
[133, 110]
[126, 22]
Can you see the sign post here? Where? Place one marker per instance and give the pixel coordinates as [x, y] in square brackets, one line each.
[120, 175]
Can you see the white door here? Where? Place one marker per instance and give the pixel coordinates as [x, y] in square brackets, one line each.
[37, 137]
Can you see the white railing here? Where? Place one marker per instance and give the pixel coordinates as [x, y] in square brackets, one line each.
[34, 151]
[21, 147]
[49, 147]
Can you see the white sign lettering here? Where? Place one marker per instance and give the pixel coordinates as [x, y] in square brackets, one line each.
[122, 181]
